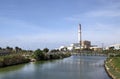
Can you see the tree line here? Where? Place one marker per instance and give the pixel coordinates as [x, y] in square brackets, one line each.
[17, 55]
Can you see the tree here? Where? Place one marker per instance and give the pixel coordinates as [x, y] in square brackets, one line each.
[17, 49]
[111, 48]
[9, 49]
[39, 55]
[0, 48]
[54, 51]
[45, 50]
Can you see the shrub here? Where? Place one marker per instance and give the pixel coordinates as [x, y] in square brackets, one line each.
[39, 55]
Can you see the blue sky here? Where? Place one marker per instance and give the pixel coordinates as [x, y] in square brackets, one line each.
[32, 24]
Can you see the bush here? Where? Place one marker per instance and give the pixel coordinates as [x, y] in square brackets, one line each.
[13, 59]
[39, 55]
[45, 50]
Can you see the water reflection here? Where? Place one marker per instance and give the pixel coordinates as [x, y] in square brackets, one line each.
[74, 67]
[11, 68]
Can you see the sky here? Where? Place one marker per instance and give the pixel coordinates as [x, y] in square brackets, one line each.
[32, 24]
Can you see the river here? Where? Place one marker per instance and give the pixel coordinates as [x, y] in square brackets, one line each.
[74, 67]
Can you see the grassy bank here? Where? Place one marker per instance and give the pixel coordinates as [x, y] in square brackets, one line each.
[12, 59]
[38, 55]
[113, 67]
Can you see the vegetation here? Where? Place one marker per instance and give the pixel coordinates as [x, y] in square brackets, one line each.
[46, 50]
[113, 64]
[13, 56]
[111, 51]
[41, 55]
[13, 59]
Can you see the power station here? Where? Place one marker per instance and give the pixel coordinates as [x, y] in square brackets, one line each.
[81, 45]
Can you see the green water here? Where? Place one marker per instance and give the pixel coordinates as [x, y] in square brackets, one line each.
[74, 67]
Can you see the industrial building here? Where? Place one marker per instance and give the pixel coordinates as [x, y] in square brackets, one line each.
[115, 47]
[81, 45]
[86, 44]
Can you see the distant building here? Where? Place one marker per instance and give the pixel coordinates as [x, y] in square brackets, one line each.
[115, 47]
[70, 48]
[95, 48]
[86, 44]
[61, 47]
[76, 46]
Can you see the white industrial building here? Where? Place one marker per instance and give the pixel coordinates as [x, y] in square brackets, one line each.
[115, 46]
[75, 46]
[83, 45]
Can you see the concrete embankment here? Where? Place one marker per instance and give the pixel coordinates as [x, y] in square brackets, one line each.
[109, 73]
[112, 67]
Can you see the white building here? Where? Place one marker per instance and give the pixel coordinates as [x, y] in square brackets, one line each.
[115, 46]
[62, 47]
[95, 48]
[71, 46]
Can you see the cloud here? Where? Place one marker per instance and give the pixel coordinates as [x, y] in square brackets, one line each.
[27, 35]
[105, 27]
[104, 13]
[17, 24]
[95, 14]
[10, 27]
[41, 40]
[107, 9]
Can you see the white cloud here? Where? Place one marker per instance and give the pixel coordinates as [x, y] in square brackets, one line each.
[37, 37]
[105, 27]
[40, 40]
[17, 24]
[95, 14]
[108, 8]
[104, 13]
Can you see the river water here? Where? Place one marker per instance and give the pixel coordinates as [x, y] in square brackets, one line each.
[74, 67]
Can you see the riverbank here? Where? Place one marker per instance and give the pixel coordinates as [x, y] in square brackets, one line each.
[74, 67]
[112, 66]
[15, 59]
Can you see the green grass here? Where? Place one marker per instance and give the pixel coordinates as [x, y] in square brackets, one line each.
[113, 64]
[12, 59]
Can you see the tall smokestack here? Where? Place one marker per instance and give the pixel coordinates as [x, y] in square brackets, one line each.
[80, 36]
